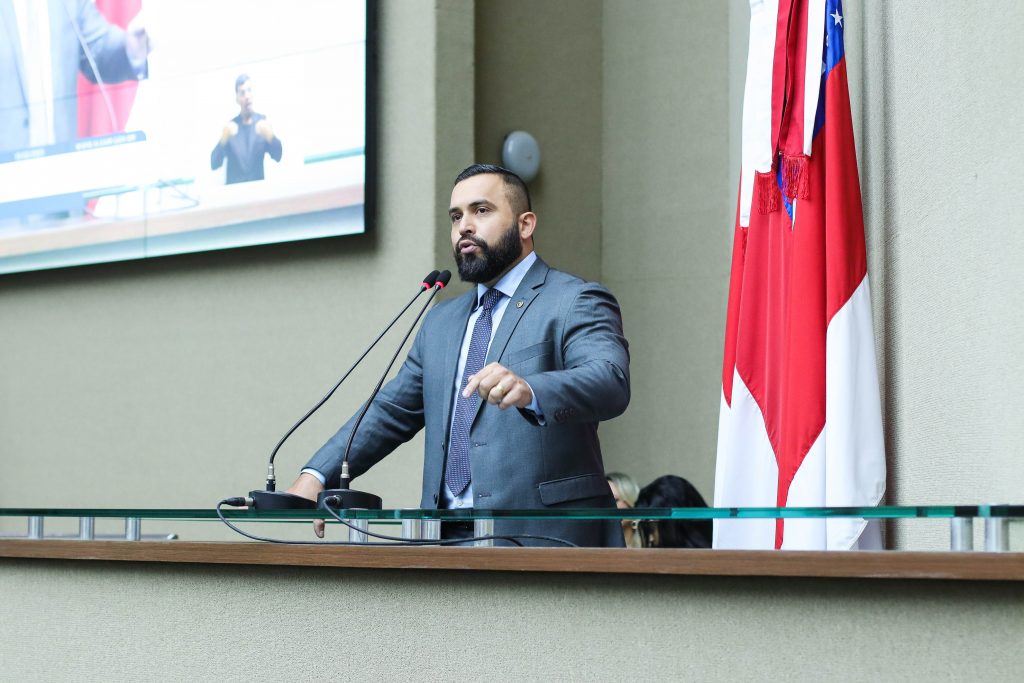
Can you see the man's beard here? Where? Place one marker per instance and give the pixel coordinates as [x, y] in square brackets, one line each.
[489, 262]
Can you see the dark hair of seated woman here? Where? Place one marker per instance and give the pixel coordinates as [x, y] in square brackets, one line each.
[671, 491]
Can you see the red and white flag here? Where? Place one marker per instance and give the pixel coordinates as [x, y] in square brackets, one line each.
[800, 422]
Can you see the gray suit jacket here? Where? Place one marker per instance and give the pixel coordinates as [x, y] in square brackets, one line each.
[105, 41]
[564, 337]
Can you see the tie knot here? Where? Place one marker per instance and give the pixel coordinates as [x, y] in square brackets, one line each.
[490, 297]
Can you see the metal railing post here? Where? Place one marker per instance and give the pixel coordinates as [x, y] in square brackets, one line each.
[86, 528]
[132, 529]
[35, 528]
[357, 532]
[961, 534]
[483, 527]
[997, 534]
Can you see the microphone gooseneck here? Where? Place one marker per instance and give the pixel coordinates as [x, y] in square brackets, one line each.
[270, 497]
[442, 280]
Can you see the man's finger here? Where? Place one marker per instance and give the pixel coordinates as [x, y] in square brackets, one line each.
[494, 387]
[318, 527]
[520, 396]
[476, 380]
[506, 383]
[471, 386]
[512, 398]
[509, 399]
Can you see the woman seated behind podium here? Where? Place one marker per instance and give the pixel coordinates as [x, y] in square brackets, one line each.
[671, 491]
[625, 490]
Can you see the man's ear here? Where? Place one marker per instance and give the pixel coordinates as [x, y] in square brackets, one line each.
[527, 224]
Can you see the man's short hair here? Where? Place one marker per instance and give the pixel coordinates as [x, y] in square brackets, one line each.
[515, 189]
[240, 81]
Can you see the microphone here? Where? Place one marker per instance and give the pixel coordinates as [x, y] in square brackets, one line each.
[344, 497]
[271, 498]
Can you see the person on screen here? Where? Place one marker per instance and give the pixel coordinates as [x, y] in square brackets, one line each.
[671, 491]
[44, 45]
[245, 140]
[509, 380]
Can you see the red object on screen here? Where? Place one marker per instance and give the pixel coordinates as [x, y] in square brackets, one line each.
[93, 115]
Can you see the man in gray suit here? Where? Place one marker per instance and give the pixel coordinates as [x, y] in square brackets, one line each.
[509, 380]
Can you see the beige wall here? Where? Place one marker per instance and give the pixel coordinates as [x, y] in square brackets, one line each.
[941, 166]
[549, 85]
[666, 231]
[115, 621]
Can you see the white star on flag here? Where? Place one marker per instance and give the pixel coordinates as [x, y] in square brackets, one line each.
[838, 17]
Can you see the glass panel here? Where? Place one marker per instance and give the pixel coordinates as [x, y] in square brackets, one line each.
[386, 526]
[278, 516]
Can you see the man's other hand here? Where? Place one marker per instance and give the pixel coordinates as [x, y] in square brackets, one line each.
[230, 131]
[308, 486]
[265, 130]
[137, 44]
[499, 386]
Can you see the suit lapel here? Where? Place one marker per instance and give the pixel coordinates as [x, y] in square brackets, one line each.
[526, 292]
[461, 313]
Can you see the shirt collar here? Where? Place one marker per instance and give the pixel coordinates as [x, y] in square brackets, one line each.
[508, 284]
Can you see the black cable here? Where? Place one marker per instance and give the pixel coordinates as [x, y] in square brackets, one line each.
[402, 541]
[285, 541]
[512, 538]
[260, 538]
[504, 537]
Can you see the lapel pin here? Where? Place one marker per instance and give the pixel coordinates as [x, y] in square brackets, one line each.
[519, 304]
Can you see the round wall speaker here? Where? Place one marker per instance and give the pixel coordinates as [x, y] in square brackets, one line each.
[521, 154]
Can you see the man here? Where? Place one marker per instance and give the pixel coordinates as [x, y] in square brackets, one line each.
[509, 380]
[43, 46]
[245, 140]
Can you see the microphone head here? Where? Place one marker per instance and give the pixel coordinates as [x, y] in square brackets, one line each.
[430, 279]
[443, 278]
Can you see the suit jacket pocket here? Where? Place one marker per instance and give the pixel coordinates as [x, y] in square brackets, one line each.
[573, 488]
[531, 351]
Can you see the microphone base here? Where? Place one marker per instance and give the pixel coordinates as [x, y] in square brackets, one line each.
[279, 500]
[352, 500]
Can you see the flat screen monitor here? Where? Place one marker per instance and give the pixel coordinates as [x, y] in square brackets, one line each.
[139, 128]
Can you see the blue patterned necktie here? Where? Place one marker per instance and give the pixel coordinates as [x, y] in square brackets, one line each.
[457, 473]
